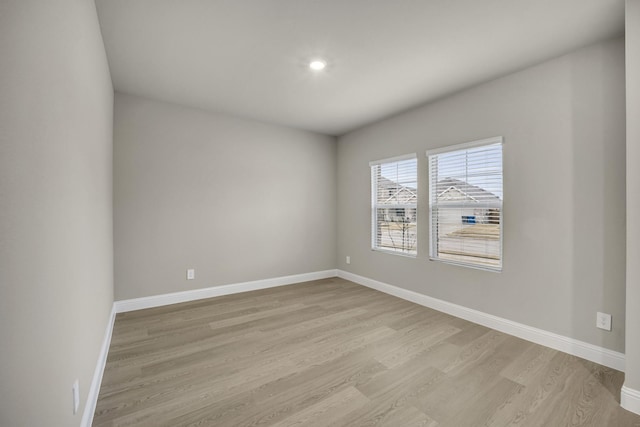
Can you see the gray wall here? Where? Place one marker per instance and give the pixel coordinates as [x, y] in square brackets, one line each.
[632, 368]
[235, 199]
[564, 231]
[56, 237]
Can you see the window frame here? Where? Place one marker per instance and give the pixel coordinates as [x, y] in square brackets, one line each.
[432, 232]
[374, 205]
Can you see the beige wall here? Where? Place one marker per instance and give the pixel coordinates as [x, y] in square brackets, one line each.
[235, 199]
[564, 227]
[208, 191]
[56, 244]
[632, 377]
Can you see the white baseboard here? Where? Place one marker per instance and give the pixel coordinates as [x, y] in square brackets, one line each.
[173, 298]
[94, 389]
[603, 356]
[630, 399]
[216, 291]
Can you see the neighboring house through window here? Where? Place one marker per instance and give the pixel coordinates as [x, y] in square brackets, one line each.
[465, 204]
[394, 198]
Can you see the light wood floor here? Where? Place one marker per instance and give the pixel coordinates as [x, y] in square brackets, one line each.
[333, 353]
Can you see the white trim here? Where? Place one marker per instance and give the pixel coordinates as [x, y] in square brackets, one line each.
[467, 265]
[603, 356]
[394, 159]
[375, 205]
[398, 252]
[215, 291]
[94, 389]
[466, 145]
[173, 298]
[434, 204]
[630, 399]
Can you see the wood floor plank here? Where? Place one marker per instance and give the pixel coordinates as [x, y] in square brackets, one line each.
[331, 352]
[279, 399]
[328, 411]
[392, 394]
[528, 406]
[525, 367]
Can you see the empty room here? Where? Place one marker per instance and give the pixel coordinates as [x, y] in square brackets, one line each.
[319, 213]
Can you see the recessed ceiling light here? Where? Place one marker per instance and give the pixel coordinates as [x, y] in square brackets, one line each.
[317, 64]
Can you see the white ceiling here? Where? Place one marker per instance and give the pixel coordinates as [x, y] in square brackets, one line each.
[250, 57]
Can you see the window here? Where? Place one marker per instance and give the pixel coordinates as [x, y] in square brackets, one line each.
[465, 204]
[394, 198]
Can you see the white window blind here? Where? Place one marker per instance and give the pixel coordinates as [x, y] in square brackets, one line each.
[394, 196]
[465, 204]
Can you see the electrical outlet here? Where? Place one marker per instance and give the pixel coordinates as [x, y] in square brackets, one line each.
[191, 274]
[348, 259]
[603, 321]
[76, 396]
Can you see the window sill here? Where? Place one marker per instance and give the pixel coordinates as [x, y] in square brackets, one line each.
[402, 254]
[467, 265]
